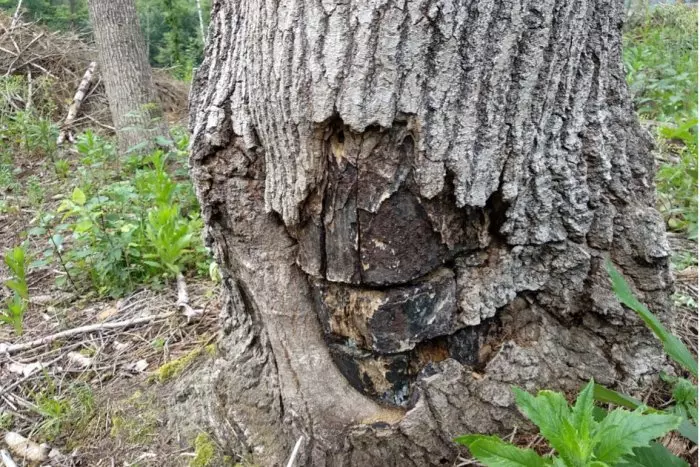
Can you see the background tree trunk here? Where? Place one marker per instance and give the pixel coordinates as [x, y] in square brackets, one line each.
[412, 203]
[136, 113]
[200, 16]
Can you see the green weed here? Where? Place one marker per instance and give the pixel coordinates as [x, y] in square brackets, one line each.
[16, 306]
[661, 58]
[35, 191]
[127, 224]
[62, 168]
[585, 435]
[27, 132]
[684, 392]
[60, 413]
[580, 435]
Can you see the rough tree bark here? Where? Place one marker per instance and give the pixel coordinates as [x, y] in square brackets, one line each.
[136, 113]
[412, 203]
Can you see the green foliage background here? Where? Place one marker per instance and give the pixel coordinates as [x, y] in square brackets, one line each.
[171, 27]
[661, 59]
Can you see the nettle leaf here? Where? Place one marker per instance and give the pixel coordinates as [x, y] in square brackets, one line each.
[36, 231]
[78, 197]
[622, 431]
[582, 413]
[494, 452]
[66, 205]
[551, 413]
[684, 391]
[672, 345]
[57, 240]
[85, 225]
[161, 141]
[654, 455]
[546, 410]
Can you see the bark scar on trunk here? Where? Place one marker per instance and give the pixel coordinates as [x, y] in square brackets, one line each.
[416, 202]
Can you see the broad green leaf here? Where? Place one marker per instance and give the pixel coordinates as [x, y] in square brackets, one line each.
[39, 263]
[688, 430]
[19, 287]
[573, 448]
[467, 440]
[599, 413]
[83, 226]
[36, 231]
[161, 141]
[494, 452]
[57, 240]
[609, 396]
[622, 430]
[672, 345]
[78, 197]
[654, 455]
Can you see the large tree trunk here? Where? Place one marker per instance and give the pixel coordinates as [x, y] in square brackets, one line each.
[412, 204]
[136, 113]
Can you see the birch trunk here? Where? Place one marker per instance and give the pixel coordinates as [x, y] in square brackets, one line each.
[201, 21]
[136, 113]
[412, 203]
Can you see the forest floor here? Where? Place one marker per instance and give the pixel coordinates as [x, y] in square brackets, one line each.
[101, 347]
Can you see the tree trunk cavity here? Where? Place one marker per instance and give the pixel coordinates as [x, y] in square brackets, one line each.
[136, 113]
[412, 203]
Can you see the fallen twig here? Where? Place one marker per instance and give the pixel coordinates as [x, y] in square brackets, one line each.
[28, 104]
[14, 348]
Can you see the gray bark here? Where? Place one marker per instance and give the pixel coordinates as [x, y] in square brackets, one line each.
[136, 113]
[411, 203]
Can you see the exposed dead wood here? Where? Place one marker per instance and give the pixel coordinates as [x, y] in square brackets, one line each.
[15, 17]
[28, 104]
[80, 94]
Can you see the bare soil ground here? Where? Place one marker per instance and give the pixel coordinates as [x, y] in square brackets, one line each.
[95, 395]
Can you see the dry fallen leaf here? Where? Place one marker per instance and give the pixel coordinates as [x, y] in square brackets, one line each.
[119, 346]
[107, 313]
[137, 367]
[24, 369]
[79, 359]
